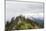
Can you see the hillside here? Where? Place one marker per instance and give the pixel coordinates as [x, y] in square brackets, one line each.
[21, 23]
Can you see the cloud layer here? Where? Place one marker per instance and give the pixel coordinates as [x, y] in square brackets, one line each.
[16, 8]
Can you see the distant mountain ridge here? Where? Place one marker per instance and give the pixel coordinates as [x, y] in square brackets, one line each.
[38, 19]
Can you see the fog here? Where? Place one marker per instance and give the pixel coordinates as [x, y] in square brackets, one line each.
[14, 8]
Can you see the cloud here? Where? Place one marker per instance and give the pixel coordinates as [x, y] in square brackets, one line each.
[25, 7]
[17, 8]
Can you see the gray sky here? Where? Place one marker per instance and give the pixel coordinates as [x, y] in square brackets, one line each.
[16, 8]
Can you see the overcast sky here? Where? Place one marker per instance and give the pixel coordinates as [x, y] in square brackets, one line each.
[14, 8]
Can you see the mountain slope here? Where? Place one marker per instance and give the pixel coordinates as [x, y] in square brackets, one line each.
[21, 23]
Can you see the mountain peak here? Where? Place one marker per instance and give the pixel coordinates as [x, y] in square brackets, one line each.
[21, 22]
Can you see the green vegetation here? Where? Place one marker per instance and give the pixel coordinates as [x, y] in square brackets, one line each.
[24, 25]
